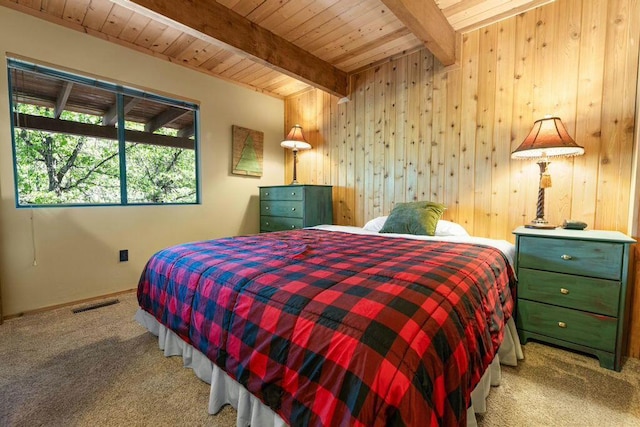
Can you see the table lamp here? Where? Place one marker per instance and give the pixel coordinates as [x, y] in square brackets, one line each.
[548, 138]
[295, 141]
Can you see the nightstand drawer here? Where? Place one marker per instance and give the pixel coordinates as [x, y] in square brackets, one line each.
[281, 193]
[582, 293]
[585, 258]
[591, 330]
[282, 208]
[275, 223]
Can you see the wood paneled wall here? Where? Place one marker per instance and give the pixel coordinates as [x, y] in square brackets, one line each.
[414, 130]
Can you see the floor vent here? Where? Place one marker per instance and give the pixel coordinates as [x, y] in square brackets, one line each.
[96, 305]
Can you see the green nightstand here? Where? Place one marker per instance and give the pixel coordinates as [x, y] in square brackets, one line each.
[572, 287]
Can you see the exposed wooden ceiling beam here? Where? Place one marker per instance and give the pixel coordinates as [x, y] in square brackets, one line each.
[163, 118]
[186, 132]
[62, 99]
[111, 116]
[225, 27]
[425, 19]
[48, 124]
[463, 23]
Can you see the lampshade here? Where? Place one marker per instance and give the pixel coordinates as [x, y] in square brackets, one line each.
[548, 138]
[295, 140]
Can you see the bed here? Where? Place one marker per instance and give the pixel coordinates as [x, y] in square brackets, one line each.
[337, 325]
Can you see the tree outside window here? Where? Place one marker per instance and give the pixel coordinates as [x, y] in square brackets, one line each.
[79, 141]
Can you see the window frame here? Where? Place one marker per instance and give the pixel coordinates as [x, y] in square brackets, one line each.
[120, 91]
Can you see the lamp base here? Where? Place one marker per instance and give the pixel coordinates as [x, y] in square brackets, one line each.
[540, 224]
[541, 227]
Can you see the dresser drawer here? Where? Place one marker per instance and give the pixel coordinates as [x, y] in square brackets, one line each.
[585, 258]
[582, 293]
[275, 223]
[591, 330]
[281, 193]
[282, 208]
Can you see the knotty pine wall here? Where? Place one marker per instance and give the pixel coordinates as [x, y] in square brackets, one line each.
[414, 130]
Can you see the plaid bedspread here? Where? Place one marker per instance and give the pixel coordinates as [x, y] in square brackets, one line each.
[335, 329]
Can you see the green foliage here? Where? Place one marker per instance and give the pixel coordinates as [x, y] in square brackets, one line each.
[56, 168]
[160, 174]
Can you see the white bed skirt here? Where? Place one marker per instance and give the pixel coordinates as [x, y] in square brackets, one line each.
[251, 411]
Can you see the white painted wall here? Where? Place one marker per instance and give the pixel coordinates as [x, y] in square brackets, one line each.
[76, 249]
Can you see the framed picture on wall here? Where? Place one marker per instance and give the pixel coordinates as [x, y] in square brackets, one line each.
[247, 151]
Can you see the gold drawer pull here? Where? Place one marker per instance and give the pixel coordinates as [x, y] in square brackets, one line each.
[566, 257]
[564, 291]
[562, 324]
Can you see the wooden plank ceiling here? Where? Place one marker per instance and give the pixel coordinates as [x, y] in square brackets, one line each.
[278, 47]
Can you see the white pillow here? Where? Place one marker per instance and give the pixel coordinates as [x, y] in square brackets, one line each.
[443, 228]
[448, 228]
[375, 224]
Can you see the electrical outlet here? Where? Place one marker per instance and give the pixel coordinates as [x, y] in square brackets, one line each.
[124, 255]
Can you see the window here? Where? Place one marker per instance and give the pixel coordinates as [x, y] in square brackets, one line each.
[81, 141]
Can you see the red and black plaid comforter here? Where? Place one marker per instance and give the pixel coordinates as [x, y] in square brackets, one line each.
[331, 328]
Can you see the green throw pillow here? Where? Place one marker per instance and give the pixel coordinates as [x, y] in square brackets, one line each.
[414, 218]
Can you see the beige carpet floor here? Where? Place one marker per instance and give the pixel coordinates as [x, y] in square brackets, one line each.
[100, 368]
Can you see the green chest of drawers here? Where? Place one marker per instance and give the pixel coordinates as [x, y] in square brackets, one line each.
[290, 207]
[572, 287]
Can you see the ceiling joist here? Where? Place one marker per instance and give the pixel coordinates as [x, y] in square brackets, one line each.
[231, 30]
[111, 117]
[427, 22]
[164, 118]
[186, 132]
[62, 99]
